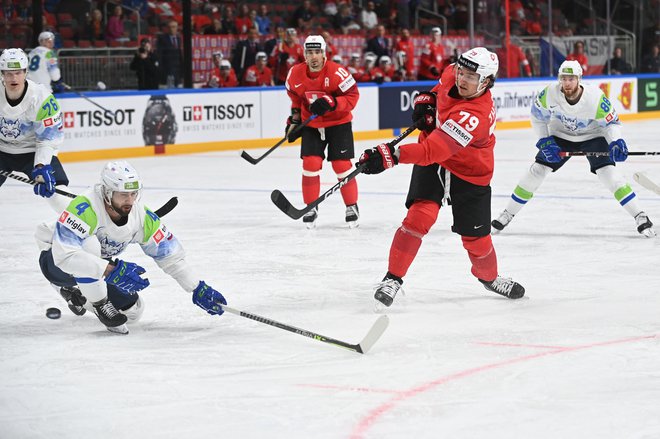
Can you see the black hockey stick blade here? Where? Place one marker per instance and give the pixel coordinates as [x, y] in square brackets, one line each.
[254, 161]
[34, 183]
[167, 207]
[603, 153]
[375, 332]
[291, 211]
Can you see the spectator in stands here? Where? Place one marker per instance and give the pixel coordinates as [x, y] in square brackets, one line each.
[618, 65]
[303, 16]
[344, 21]
[379, 45]
[329, 7]
[215, 28]
[242, 21]
[170, 58]
[285, 55]
[269, 46]
[519, 65]
[145, 66]
[94, 26]
[330, 49]
[430, 62]
[245, 52]
[263, 20]
[141, 6]
[579, 56]
[651, 62]
[405, 44]
[368, 16]
[229, 21]
[114, 30]
[259, 75]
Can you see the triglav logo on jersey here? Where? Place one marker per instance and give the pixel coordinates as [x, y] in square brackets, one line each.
[10, 128]
[159, 126]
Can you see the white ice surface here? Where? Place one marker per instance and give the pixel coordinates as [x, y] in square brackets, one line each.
[578, 357]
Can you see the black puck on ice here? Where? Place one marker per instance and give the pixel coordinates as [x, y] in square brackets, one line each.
[53, 313]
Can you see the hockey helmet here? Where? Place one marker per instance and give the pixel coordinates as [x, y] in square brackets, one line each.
[261, 55]
[13, 59]
[337, 59]
[225, 64]
[385, 60]
[315, 42]
[119, 176]
[570, 68]
[46, 35]
[481, 61]
[436, 31]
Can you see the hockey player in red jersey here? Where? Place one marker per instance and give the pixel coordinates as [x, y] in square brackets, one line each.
[453, 164]
[323, 88]
[258, 75]
[430, 63]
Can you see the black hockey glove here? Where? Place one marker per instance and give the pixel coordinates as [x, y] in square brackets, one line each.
[424, 111]
[376, 160]
[290, 131]
[322, 105]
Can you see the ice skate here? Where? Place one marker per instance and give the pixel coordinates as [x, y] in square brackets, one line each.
[110, 317]
[352, 215]
[501, 222]
[505, 286]
[74, 299]
[310, 218]
[386, 292]
[644, 225]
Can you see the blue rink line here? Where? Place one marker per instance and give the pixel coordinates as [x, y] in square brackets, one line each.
[175, 190]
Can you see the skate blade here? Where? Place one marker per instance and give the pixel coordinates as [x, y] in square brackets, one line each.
[310, 226]
[353, 224]
[77, 310]
[649, 233]
[121, 329]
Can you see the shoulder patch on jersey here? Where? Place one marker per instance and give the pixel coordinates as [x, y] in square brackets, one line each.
[74, 224]
[152, 226]
[347, 83]
[543, 97]
[48, 108]
[456, 132]
[81, 209]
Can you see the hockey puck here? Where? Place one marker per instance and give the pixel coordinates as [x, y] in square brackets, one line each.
[53, 313]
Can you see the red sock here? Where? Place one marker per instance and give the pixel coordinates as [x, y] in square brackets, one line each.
[408, 238]
[311, 182]
[482, 255]
[349, 191]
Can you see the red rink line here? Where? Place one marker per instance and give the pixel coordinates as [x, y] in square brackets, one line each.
[375, 414]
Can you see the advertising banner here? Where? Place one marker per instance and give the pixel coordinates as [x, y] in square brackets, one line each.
[648, 94]
[395, 103]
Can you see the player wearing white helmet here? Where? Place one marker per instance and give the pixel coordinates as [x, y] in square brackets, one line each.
[326, 90]
[454, 164]
[431, 61]
[570, 116]
[43, 67]
[30, 128]
[97, 226]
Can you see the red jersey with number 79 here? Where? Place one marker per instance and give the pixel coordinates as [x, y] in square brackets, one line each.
[463, 140]
[304, 87]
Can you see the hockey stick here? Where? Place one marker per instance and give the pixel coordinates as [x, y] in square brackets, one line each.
[646, 182]
[603, 153]
[367, 342]
[68, 87]
[254, 161]
[285, 205]
[161, 211]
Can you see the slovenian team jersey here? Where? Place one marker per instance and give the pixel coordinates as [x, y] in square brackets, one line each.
[43, 67]
[34, 125]
[591, 117]
[86, 219]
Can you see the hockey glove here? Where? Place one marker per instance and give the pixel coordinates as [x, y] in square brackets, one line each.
[434, 71]
[126, 277]
[618, 150]
[58, 86]
[322, 105]
[549, 149]
[45, 179]
[207, 298]
[290, 131]
[377, 159]
[424, 111]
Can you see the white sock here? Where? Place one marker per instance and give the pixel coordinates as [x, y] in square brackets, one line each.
[610, 177]
[527, 185]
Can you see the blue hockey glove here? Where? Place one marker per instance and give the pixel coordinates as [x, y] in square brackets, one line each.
[618, 150]
[549, 149]
[126, 277]
[207, 298]
[58, 86]
[322, 105]
[45, 181]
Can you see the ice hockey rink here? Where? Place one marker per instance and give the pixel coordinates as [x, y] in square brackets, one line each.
[577, 357]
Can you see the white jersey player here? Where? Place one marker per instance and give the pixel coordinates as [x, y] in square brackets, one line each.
[98, 226]
[43, 67]
[569, 116]
[30, 128]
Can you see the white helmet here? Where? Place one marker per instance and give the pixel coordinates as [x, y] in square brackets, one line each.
[337, 59]
[570, 68]
[436, 31]
[119, 176]
[13, 59]
[481, 61]
[261, 55]
[46, 36]
[315, 42]
[385, 60]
